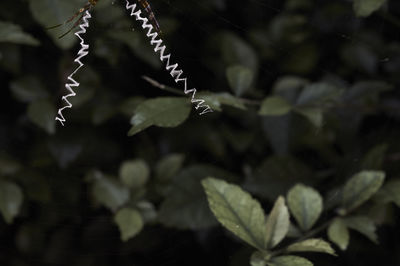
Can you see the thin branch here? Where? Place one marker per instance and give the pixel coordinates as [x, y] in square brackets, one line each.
[156, 84]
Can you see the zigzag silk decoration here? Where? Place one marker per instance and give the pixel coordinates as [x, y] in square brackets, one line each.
[154, 40]
[71, 81]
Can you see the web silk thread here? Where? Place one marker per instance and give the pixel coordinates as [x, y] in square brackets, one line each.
[72, 82]
[172, 69]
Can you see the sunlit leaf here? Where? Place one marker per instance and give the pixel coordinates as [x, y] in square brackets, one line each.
[364, 225]
[312, 245]
[13, 33]
[134, 174]
[305, 203]
[277, 224]
[274, 105]
[162, 112]
[339, 234]
[237, 211]
[364, 8]
[129, 222]
[239, 78]
[11, 199]
[43, 113]
[289, 261]
[360, 188]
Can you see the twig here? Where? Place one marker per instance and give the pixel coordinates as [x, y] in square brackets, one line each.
[157, 84]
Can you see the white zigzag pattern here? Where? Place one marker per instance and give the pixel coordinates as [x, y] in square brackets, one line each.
[72, 82]
[176, 74]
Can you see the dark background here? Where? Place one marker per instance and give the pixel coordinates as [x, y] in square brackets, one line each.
[317, 41]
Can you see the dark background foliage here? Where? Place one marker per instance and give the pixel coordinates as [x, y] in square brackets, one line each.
[338, 72]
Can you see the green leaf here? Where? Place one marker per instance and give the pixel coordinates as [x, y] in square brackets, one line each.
[138, 45]
[277, 224]
[259, 258]
[373, 160]
[305, 203]
[43, 113]
[185, 205]
[53, 12]
[129, 222]
[318, 94]
[312, 245]
[169, 166]
[239, 78]
[11, 199]
[28, 89]
[215, 100]
[364, 225]
[134, 174]
[339, 234]
[8, 166]
[13, 33]
[364, 8]
[109, 192]
[360, 188]
[237, 211]
[390, 192]
[162, 112]
[289, 261]
[274, 105]
[102, 112]
[276, 175]
[293, 231]
[314, 115]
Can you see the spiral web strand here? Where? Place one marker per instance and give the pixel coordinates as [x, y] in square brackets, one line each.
[72, 82]
[171, 68]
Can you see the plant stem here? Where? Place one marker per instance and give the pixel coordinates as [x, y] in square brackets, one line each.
[162, 86]
[304, 237]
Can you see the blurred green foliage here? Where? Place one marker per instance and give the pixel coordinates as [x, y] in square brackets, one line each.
[305, 125]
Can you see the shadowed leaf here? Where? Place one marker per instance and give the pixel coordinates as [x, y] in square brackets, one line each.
[162, 112]
[363, 225]
[12, 33]
[364, 8]
[274, 105]
[239, 78]
[134, 174]
[11, 198]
